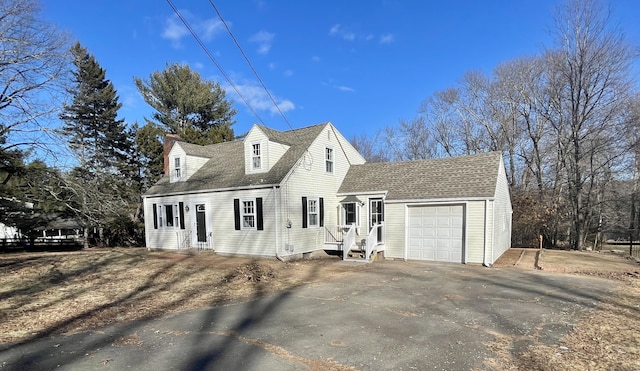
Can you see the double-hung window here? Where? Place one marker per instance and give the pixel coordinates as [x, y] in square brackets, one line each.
[248, 214]
[328, 160]
[256, 156]
[312, 212]
[168, 215]
[177, 169]
[351, 213]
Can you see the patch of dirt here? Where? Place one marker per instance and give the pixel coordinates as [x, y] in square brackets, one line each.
[604, 338]
[53, 293]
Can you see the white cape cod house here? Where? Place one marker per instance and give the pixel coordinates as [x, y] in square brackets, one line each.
[286, 194]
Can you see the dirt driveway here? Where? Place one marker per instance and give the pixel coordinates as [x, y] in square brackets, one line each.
[386, 315]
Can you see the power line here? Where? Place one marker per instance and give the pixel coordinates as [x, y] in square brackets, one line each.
[249, 63]
[195, 36]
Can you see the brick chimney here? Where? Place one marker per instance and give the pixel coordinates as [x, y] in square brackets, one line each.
[169, 140]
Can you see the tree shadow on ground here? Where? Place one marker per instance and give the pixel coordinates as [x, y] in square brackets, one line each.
[35, 351]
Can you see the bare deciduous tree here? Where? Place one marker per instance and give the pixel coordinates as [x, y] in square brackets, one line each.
[33, 60]
[588, 77]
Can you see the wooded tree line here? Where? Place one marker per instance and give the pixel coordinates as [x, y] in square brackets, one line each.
[44, 80]
[566, 121]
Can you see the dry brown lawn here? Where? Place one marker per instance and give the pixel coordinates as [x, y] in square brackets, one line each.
[55, 293]
[605, 338]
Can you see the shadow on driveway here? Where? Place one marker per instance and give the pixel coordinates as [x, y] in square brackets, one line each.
[394, 315]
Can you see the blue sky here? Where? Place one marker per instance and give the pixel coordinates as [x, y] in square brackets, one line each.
[362, 65]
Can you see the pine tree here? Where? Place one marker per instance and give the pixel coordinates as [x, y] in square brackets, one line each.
[105, 183]
[100, 140]
[186, 104]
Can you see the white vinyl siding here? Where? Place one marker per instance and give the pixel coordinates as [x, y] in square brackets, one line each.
[502, 213]
[394, 216]
[220, 223]
[476, 231]
[310, 180]
[188, 164]
[270, 152]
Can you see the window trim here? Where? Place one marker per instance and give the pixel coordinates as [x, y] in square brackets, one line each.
[244, 214]
[239, 214]
[177, 168]
[315, 213]
[306, 202]
[329, 160]
[356, 211]
[259, 156]
[161, 218]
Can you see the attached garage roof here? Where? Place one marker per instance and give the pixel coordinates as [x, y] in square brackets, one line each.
[462, 177]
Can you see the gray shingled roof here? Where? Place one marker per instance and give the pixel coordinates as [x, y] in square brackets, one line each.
[454, 177]
[225, 169]
[196, 150]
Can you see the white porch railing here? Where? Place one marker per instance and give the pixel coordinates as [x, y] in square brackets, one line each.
[349, 240]
[334, 234]
[184, 239]
[372, 239]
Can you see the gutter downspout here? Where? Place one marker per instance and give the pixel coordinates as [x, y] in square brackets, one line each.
[484, 247]
[277, 223]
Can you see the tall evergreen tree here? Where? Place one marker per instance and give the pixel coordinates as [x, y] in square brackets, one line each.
[185, 104]
[105, 184]
[100, 140]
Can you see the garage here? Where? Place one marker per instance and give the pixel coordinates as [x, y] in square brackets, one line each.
[436, 233]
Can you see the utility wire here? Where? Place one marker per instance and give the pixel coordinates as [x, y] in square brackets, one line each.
[249, 63]
[195, 36]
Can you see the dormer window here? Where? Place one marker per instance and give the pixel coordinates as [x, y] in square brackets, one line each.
[256, 156]
[177, 169]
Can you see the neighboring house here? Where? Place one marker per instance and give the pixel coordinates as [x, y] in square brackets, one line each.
[286, 194]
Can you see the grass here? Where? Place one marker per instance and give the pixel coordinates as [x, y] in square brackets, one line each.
[53, 293]
[45, 294]
[605, 338]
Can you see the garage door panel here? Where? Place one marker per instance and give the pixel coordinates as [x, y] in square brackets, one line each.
[436, 233]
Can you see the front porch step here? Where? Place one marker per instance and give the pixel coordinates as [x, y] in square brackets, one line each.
[358, 255]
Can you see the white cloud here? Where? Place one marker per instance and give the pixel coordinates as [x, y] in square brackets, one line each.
[174, 30]
[264, 40]
[210, 28]
[386, 38]
[339, 31]
[345, 88]
[259, 100]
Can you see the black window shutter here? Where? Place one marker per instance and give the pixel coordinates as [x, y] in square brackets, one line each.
[181, 208]
[321, 212]
[236, 212]
[259, 224]
[155, 216]
[304, 212]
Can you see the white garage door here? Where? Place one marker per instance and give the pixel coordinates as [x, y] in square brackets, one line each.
[436, 233]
